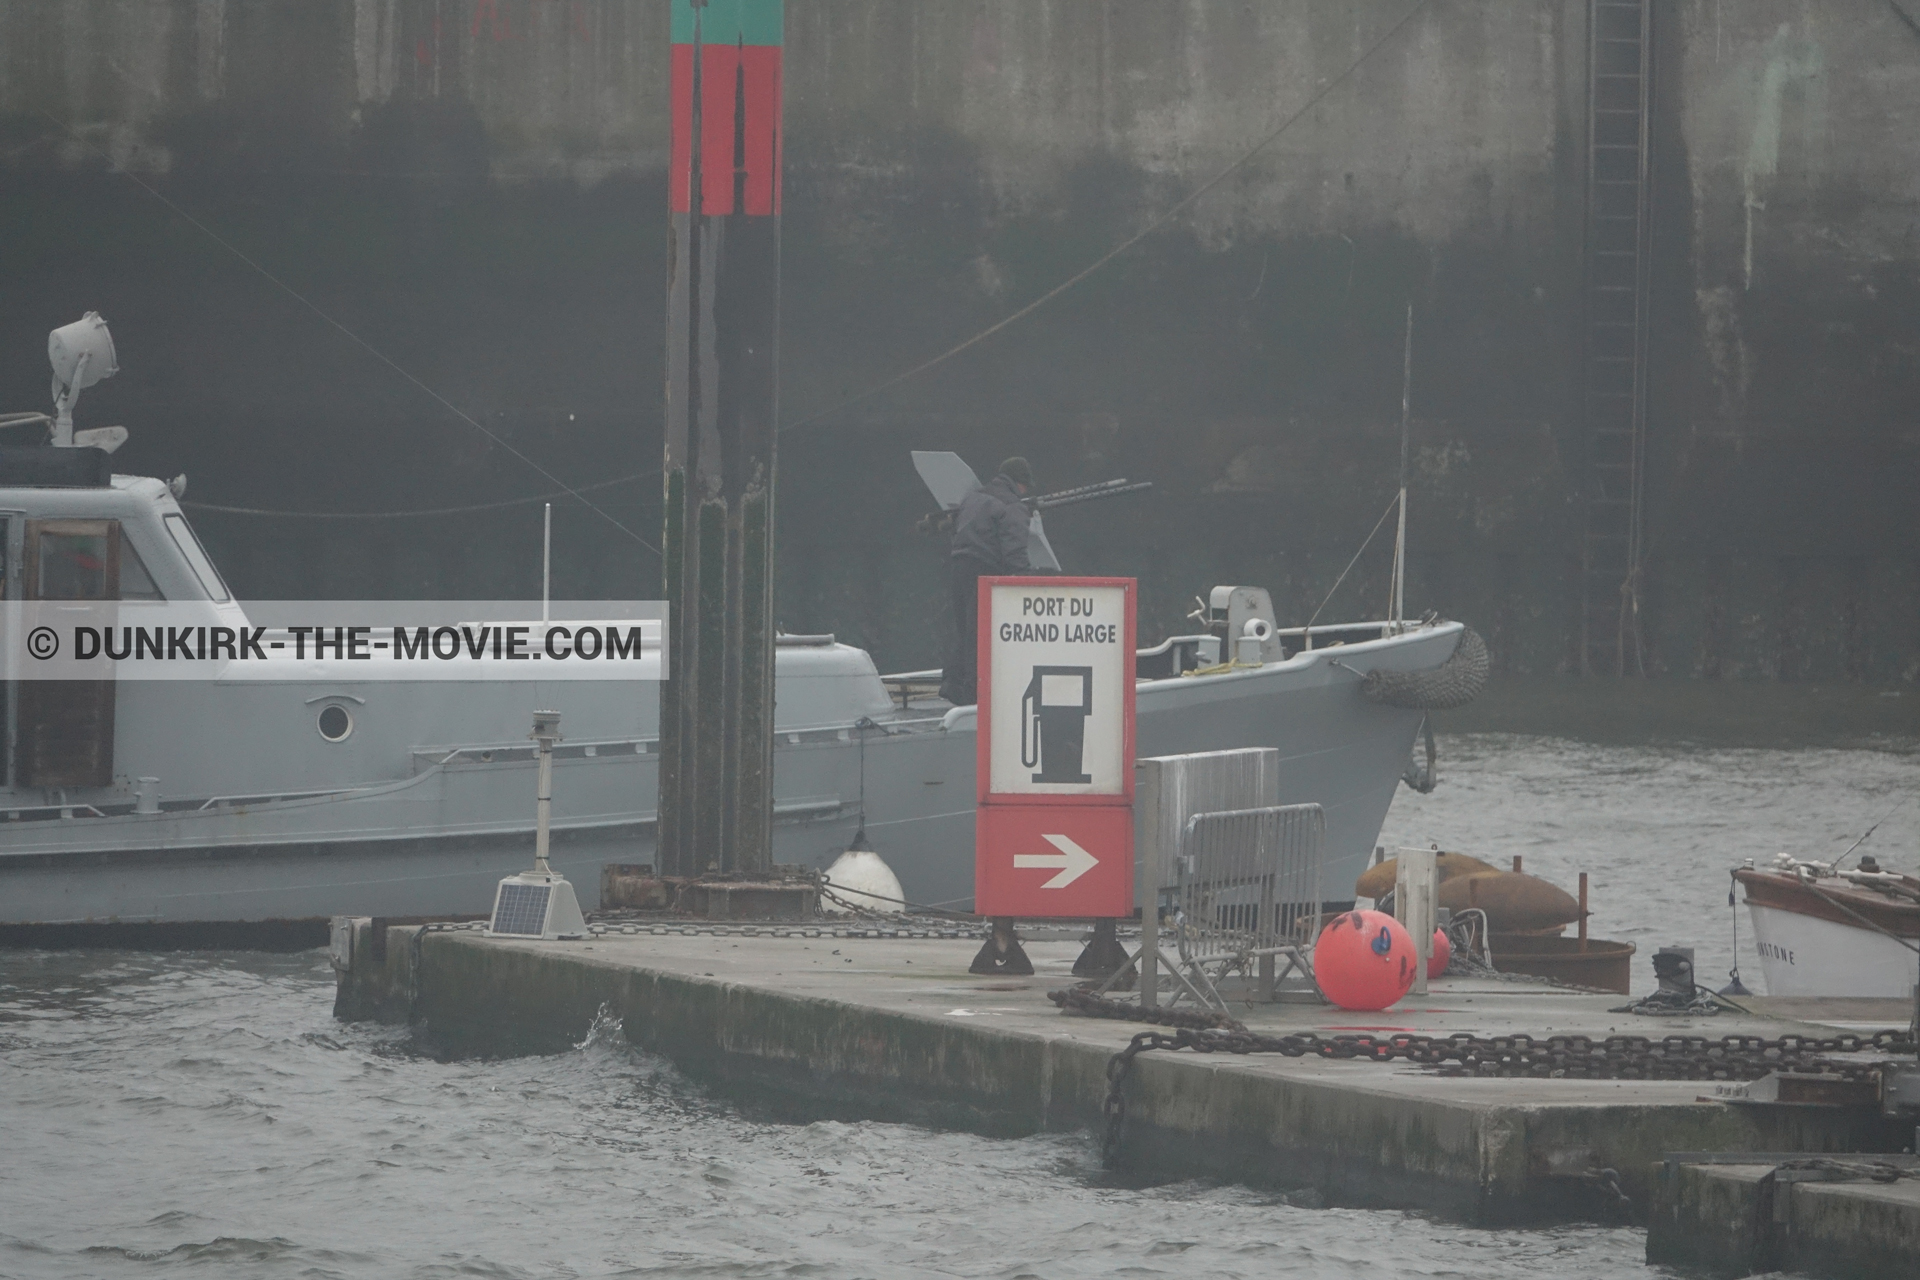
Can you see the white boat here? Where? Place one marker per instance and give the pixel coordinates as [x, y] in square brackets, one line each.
[314, 792]
[1825, 931]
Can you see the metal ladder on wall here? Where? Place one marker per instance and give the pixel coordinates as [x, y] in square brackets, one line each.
[1617, 283]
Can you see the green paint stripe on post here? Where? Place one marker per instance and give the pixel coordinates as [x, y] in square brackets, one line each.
[732, 22]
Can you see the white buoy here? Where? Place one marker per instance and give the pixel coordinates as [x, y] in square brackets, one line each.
[864, 879]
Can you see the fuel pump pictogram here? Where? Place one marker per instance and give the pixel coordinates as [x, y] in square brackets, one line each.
[1053, 722]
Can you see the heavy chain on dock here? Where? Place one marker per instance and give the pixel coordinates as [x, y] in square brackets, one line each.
[1577, 1057]
[1572, 1057]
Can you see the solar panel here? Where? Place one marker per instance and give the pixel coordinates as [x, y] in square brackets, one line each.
[522, 909]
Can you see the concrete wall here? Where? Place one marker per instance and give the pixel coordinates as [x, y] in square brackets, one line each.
[577, 89]
[1786, 447]
[475, 188]
[1726, 1220]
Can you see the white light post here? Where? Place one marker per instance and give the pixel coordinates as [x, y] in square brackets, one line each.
[539, 903]
[546, 732]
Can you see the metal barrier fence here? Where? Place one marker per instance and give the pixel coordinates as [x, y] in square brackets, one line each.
[1249, 893]
[1168, 791]
[1171, 789]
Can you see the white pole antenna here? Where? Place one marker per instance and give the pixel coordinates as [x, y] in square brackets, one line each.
[1399, 611]
[546, 560]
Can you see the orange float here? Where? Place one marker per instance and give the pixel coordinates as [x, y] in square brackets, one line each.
[1442, 953]
[1364, 960]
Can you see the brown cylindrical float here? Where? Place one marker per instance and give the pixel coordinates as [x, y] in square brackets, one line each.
[1377, 880]
[1603, 964]
[1514, 901]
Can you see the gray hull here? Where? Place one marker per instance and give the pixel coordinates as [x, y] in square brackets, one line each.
[429, 829]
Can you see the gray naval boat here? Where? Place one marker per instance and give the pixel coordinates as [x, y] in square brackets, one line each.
[307, 795]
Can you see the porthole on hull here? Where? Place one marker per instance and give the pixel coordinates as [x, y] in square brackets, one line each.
[335, 722]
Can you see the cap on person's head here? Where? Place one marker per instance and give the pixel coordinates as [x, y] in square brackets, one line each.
[1017, 470]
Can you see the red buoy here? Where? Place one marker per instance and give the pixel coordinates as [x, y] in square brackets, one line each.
[1364, 960]
[1442, 953]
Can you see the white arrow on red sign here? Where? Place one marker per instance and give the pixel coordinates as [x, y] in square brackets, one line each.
[1072, 860]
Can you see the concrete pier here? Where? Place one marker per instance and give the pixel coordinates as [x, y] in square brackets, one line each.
[1726, 1218]
[894, 1028]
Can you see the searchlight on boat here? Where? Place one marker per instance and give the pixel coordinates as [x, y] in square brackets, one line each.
[82, 354]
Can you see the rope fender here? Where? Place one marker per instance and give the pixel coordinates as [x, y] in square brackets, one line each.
[1454, 683]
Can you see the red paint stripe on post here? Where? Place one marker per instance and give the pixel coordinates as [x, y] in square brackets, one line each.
[719, 69]
[730, 75]
[761, 64]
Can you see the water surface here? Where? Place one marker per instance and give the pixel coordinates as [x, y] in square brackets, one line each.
[1658, 828]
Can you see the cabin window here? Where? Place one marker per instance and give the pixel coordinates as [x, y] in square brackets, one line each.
[73, 566]
[334, 722]
[135, 582]
[197, 558]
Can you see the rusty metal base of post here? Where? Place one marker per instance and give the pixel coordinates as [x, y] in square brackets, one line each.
[1104, 957]
[750, 900]
[789, 897]
[1002, 952]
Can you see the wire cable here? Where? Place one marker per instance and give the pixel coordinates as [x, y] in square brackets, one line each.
[423, 511]
[1356, 559]
[1898, 806]
[350, 335]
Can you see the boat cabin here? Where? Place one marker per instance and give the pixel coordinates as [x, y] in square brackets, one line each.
[71, 530]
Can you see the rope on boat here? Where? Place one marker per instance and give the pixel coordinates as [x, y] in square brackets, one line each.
[1454, 683]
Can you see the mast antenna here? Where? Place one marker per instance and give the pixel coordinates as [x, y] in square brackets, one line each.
[546, 562]
[1398, 613]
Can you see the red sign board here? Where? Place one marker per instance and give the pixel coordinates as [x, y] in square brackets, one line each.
[1054, 830]
[1053, 860]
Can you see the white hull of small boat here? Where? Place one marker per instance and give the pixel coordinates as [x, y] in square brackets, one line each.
[1803, 955]
[1828, 931]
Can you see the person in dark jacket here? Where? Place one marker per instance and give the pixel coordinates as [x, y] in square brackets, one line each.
[989, 538]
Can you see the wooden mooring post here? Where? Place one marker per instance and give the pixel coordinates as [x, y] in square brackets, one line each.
[723, 307]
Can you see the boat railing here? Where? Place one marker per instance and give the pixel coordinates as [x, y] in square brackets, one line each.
[800, 807]
[1384, 629]
[1178, 654]
[257, 797]
[46, 812]
[505, 752]
[192, 804]
[1175, 656]
[1806, 870]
